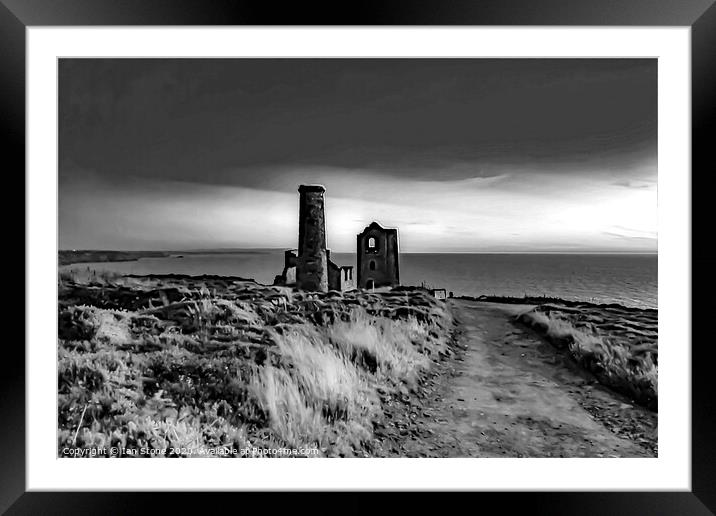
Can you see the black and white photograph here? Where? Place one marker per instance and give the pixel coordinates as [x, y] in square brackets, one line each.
[357, 257]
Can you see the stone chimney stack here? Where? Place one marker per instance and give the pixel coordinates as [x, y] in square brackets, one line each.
[312, 262]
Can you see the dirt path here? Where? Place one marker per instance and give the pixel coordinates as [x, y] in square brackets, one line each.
[510, 394]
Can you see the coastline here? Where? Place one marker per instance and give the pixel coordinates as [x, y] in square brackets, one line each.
[69, 257]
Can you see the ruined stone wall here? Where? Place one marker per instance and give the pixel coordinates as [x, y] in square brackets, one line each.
[340, 277]
[334, 276]
[347, 278]
[288, 274]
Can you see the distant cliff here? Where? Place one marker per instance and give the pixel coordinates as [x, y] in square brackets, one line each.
[86, 256]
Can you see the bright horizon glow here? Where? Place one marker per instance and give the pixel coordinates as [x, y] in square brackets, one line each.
[530, 213]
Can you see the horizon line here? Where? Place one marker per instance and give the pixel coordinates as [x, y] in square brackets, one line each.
[285, 248]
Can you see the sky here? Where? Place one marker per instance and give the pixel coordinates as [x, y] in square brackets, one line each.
[461, 155]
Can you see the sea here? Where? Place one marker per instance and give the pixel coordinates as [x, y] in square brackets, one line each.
[625, 279]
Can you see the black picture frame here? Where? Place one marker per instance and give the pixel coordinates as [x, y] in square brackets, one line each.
[700, 15]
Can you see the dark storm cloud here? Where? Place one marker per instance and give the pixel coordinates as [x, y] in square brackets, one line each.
[224, 121]
[460, 154]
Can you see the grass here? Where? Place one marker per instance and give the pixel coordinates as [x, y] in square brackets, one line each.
[88, 275]
[614, 363]
[391, 350]
[175, 367]
[319, 396]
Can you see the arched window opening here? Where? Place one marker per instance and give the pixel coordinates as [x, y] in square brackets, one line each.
[371, 243]
[372, 265]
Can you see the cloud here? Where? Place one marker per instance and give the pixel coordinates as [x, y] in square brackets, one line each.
[626, 183]
[223, 121]
[460, 154]
[499, 213]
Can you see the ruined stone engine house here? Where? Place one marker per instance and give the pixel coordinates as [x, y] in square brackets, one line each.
[310, 267]
[377, 253]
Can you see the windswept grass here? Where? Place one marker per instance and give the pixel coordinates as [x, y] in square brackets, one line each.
[318, 396]
[182, 367]
[617, 364]
[391, 350]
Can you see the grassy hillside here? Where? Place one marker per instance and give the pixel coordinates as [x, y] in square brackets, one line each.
[179, 365]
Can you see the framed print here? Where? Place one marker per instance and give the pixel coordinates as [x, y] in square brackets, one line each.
[434, 248]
